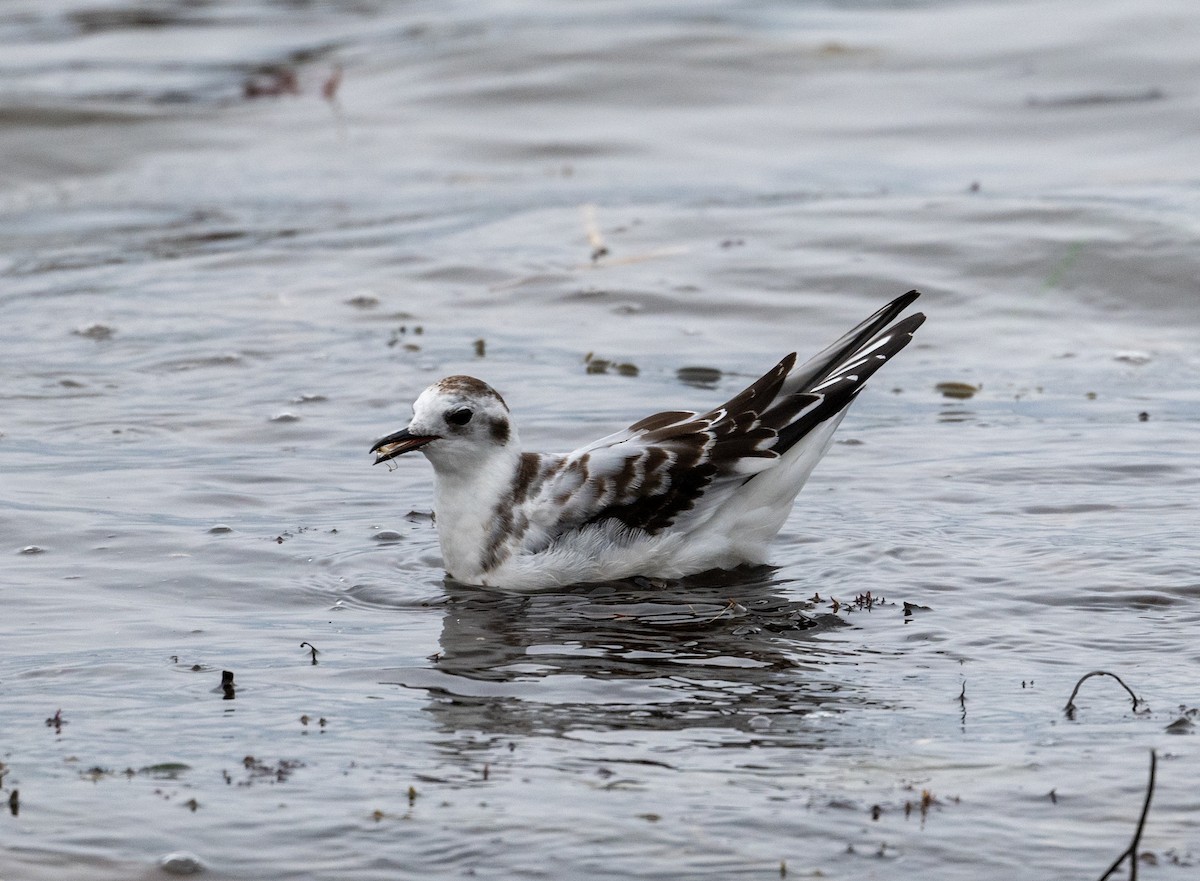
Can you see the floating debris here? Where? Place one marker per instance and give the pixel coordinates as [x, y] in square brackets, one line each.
[363, 301]
[1182, 725]
[272, 84]
[14, 802]
[1133, 357]
[285, 417]
[56, 722]
[165, 770]
[95, 331]
[220, 529]
[604, 365]
[595, 239]
[400, 333]
[312, 648]
[1070, 708]
[181, 863]
[957, 390]
[228, 689]
[321, 722]
[31, 550]
[1131, 853]
[1143, 416]
[387, 535]
[309, 399]
[700, 377]
[333, 82]
[480, 347]
[259, 770]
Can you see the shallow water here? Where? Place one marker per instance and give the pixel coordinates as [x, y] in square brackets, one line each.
[212, 304]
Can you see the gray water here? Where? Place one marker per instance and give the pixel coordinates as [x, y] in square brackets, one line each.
[211, 303]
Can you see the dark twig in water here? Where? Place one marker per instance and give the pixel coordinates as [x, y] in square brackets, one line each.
[1069, 709]
[56, 722]
[313, 649]
[1131, 851]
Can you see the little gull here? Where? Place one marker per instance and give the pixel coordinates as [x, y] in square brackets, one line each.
[673, 494]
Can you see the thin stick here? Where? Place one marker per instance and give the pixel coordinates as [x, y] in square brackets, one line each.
[1131, 851]
[1070, 707]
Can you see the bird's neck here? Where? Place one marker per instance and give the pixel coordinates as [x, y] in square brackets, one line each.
[467, 501]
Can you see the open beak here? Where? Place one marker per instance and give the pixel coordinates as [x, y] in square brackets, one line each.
[401, 442]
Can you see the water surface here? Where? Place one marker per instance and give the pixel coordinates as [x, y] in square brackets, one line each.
[211, 304]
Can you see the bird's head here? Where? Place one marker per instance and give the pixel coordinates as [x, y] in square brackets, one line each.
[457, 422]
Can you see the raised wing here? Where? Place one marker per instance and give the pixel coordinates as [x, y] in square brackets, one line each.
[649, 474]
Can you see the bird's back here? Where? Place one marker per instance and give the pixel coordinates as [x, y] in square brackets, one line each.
[680, 492]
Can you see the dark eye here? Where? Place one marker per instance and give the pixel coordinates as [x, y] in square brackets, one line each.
[459, 417]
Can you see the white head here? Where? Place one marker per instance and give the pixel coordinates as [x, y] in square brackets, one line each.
[458, 422]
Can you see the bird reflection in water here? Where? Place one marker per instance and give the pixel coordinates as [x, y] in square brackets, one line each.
[729, 650]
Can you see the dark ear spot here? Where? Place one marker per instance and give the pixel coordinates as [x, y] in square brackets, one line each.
[500, 430]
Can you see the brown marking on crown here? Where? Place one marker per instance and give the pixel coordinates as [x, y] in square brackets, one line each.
[468, 386]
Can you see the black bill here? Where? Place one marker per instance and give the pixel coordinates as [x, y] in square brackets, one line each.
[401, 442]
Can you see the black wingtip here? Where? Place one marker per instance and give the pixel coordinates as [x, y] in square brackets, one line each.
[903, 301]
[909, 323]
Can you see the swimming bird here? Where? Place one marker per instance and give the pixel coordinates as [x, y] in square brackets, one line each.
[674, 494]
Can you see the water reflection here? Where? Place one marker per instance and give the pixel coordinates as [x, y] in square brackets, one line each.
[730, 651]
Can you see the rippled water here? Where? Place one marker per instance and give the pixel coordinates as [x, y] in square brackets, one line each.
[214, 298]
